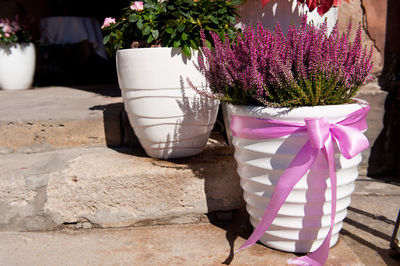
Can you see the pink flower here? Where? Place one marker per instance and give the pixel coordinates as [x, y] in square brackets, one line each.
[7, 34]
[137, 5]
[7, 28]
[107, 22]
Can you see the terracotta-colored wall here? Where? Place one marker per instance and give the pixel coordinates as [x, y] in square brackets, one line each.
[372, 16]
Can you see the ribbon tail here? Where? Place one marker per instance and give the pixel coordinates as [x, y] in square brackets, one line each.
[320, 255]
[296, 170]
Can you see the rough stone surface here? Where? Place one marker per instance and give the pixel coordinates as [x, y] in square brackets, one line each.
[376, 99]
[203, 244]
[110, 188]
[354, 12]
[375, 11]
[370, 221]
[48, 118]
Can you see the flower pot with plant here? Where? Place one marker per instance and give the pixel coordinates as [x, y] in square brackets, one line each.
[286, 14]
[298, 130]
[17, 55]
[168, 117]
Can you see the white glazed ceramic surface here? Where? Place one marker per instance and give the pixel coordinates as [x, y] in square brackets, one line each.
[17, 66]
[285, 12]
[169, 118]
[304, 219]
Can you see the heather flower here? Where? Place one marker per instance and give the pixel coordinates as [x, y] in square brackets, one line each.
[108, 22]
[137, 5]
[305, 67]
[13, 31]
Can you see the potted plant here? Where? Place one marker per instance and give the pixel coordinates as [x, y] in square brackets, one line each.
[286, 13]
[17, 55]
[168, 117]
[297, 129]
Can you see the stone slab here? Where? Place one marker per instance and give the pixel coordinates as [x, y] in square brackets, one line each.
[114, 188]
[202, 244]
[376, 99]
[370, 220]
[52, 117]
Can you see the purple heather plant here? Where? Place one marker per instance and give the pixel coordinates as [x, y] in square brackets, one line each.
[305, 67]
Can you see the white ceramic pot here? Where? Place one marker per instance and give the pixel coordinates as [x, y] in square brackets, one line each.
[285, 12]
[304, 219]
[17, 66]
[169, 118]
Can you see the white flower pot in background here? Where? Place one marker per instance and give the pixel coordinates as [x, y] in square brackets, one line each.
[169, 118]
[286, 12]
[17, 66]
[304, 219]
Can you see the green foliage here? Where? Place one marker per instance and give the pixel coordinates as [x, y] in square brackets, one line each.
[171, 23]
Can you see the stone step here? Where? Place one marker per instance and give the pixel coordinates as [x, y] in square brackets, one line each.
[200, 244]
[102, 187]
[44, 119]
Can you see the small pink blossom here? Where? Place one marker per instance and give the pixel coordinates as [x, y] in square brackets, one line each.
[137, 5]
[7, 28]
[7, 34]
[107, 22]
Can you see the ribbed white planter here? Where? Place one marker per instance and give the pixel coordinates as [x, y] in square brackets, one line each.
[17, 66]
[169, 118]
[304, 219]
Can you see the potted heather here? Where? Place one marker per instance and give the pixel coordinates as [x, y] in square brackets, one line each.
[17, 55]
[156, 44]
[297, 129]
[268, 12]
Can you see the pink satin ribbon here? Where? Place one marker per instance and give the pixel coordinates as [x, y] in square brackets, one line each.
[347, 133]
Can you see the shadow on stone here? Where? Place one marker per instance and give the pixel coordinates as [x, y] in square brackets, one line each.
[118, 132]
[384, 161]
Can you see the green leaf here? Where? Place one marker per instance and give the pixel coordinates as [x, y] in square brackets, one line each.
[139, 24]
[133, 18]
[186, 14]
[213, 19]
[208, 44]
[181, 27]
[150, 39]
[186, 50]
[155, 34]
[184, 36]
[222, 10]
[237, 2]
[193, 44]
[173, 34]
[176, 43]
[146, 30]
[168, 30]
[106, 39]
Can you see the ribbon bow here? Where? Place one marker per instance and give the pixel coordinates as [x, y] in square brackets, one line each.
[348, 135]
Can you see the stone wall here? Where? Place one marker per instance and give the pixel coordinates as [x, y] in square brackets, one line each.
[385, 158]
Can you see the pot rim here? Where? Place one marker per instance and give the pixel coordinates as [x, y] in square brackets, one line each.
[297, 113]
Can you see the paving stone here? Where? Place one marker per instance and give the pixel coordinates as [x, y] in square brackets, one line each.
[202, 244]
[47, 118]
[115, 188]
